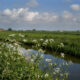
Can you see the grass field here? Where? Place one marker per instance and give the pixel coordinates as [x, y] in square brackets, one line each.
[65, 42]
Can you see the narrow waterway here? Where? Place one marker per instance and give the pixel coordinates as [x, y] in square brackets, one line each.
[73, 69]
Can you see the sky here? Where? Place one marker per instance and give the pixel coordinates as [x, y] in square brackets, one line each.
[40, 14]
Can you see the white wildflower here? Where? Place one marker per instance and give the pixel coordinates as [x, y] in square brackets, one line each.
[24, 40]
[35, 41]
[32, 60]
[41, 56]
[51, 40]
[38, 45]
[21, 35]
[38, 76]
[62, 45]
[48, 60]
[57, 70]
[41, 39]
[61, 74]
[46, 75]
[44, 43]
[16, 44]
[41, 51]
[54, 73]
[12, 35]
[62, 55]
[50, 64]
[46, 40]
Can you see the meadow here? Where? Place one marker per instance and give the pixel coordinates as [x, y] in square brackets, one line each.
[60, 42]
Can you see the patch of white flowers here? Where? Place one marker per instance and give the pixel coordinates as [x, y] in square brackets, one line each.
[24, 40]
[41, 39]
[62, 55]
[57, 70]
[50, 64]
[34, 41]
[48, 60]
[51, 40]
[12, 35]
[32, 60]
[46, 41]
[46, 75]
[21, 35]
[41, 51]
[16, 44]
[61, 44]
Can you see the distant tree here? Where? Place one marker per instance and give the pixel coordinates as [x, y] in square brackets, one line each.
[34, 30]
[9, 29]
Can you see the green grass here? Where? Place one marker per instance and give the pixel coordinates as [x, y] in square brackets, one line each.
[71, 40]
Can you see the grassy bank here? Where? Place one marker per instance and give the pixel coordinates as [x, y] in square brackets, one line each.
[66, 42]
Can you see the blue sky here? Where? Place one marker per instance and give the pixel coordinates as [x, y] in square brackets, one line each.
[40, 14]
[44, 5]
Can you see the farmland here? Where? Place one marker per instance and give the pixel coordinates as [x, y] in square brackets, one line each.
[69, 40]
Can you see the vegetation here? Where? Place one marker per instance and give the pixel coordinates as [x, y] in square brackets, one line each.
[14, 66]
[70, 40]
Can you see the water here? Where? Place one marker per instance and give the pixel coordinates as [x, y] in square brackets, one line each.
[74, 68]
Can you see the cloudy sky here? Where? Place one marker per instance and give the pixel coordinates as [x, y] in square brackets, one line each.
[40, 14]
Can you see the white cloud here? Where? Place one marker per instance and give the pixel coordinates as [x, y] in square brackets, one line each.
[32, 3]
[23, 17]
[26, 15]
[47, 17]
[30, 16]
[75, 7]
[21, 13]
[7, 12]
[67, 15]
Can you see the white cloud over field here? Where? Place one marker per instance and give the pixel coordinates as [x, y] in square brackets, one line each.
[75, 7]
[23, 17]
